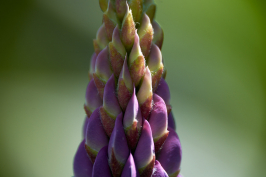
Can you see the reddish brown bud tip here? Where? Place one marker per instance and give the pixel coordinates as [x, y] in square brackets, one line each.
[158, 34]
[110, 20]
[128, 30]
[145, 35]
[121, 8]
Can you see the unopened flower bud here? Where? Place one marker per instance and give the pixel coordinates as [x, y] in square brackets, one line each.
[101, 167]
[164, 92]
[158, 34]
[150, 8]
[137, 8]
[130, 168]
[101, 40]
[158, 170]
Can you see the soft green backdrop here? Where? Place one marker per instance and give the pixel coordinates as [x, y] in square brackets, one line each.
[214, 51]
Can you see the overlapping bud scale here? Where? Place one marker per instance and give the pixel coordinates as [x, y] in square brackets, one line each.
[129, 129]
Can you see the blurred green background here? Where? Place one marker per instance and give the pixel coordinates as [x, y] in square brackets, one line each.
[214, 52]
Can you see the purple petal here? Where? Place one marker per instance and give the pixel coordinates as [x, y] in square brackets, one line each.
[158, 170]
[82, 163]
[171, 154]
[158, 34]
[171, 121]
[129, 168]
[144, 154]
[118, 150]
[101, 167]
[96, 137]
[92, 64]
[102, 65]
[163, 91]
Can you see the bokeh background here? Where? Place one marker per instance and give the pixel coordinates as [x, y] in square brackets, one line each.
[214, 52]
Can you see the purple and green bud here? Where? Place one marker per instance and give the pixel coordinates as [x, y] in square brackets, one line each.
[145, 33]
[125, 87]
[101, 40]
[158, 35]
[110, 20]
[159, 122]
[129, 128]
[118, 151]
[150, 8]
[158, 170]
[101, 166]
[117, 52]
[92, 98]
[171, 154]
[128, 30]
[164, 92]
[102, 71]
[156, 65]
[144, 94]
[82, 165]
[136, 62]
[96, 137]
[144, 155]
[111, 108]
[132, 122]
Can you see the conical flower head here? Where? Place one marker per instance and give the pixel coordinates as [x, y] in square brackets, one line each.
[129, 129]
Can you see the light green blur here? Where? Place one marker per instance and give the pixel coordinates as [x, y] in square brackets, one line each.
[214, 52]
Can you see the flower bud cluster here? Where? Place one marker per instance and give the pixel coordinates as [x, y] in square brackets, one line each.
[129, 129]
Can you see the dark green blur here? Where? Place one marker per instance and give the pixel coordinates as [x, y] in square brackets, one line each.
[214, 53]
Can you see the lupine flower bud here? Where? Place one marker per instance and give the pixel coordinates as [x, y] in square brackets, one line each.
[137, 8]
[92, 98]
[144, 94]
[117, 52]
[158, 170]
[129, 128]
[102, 71]
[101, 40]
[150, 8]
[171, 154]
[130, 168]
[125, 87]
[118, 151]
[132, 122]
[110, 20]
[128, 30]
[145, 35]
[92, 65]
[164, 92]
[156, 66]
[95, 136]
[136, 62]
[158, 34]
[101, 167]
[110, 109]
[144, 155]
[82, 164]
[159, 123]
